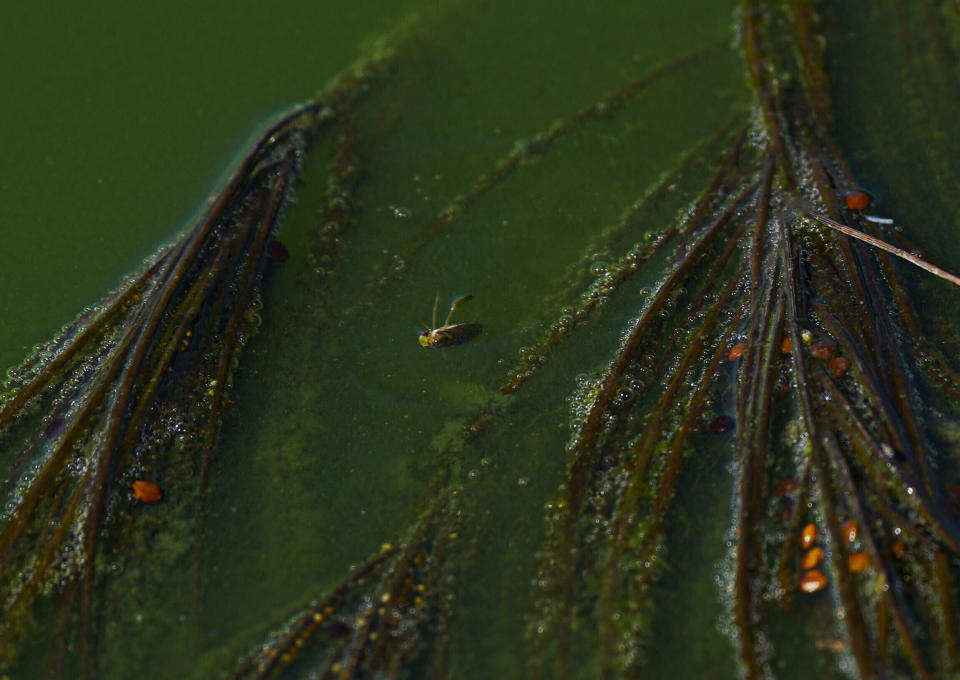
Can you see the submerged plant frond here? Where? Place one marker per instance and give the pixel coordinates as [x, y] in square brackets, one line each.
[767, 328]
[852, 435]
[136, 386]
[120, 389]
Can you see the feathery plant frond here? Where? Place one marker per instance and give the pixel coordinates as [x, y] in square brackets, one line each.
[138, 383]
[766, 326]
[797, 296]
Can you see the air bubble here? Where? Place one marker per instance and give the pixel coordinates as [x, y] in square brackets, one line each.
[599, 267]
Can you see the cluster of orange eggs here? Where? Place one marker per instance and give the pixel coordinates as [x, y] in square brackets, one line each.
[813, 579]
[825, 350]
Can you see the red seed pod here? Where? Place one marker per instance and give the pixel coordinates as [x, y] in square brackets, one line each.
[857, 200]
[813, 557]
[839, 366]
[736, 351]
[823, 349]
[146, 492]
[858, 562]
[813, 581]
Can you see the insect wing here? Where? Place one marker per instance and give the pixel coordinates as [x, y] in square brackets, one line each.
[456, 334]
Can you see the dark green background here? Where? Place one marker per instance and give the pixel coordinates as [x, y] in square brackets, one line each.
[119, 120]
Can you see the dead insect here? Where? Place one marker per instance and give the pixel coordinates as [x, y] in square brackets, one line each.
[447, 335]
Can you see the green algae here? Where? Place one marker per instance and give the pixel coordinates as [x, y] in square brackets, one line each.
[344, 435]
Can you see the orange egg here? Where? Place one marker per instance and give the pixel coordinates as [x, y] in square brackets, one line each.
[146, 492]
[813, 557]
[736, 351]
[839, 366]
[813, 581]
[824, 349]
[857, 200]
[808, 536]
[850, 530]
[858, 562]
[786, 345]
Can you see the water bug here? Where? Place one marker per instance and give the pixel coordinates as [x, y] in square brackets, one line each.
[449, 334]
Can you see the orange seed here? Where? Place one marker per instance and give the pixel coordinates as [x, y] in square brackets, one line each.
[146, 492]
[813, 581]
[850, 531]
[786, 345]
[858, 562]
[839, 366]
[736, 351]
[824, 349]
[857, 200]
[808, 536]
[812, 558]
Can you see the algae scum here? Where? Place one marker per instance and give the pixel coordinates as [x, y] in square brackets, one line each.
[703, 433]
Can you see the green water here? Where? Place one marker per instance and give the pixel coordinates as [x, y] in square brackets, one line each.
[119, 121]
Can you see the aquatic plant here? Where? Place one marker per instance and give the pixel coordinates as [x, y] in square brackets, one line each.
[750, 263]
[769, 336]
[137, 384]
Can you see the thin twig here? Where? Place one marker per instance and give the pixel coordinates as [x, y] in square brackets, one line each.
[801, 206]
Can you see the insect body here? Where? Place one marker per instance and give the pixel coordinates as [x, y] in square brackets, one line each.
[447, 334]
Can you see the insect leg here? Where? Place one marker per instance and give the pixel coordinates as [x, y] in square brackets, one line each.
[456, 303]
